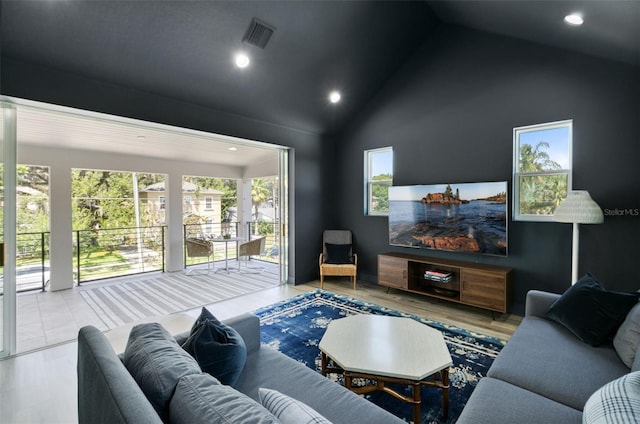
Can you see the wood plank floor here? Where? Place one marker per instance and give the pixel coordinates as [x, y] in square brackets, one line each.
[467, 317]
[41, 386]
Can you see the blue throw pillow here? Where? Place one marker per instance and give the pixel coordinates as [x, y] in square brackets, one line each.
[590, 312]
[338, 253]
[218, 348]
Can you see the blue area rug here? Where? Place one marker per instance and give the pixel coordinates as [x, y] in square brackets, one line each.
[295, 327]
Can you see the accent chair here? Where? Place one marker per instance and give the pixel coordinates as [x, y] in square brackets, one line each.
[337, 257]
[199, 248]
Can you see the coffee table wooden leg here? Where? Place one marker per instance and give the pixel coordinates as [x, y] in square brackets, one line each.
[323, 357]
[417, 403]
[445, 392]
[347, 380]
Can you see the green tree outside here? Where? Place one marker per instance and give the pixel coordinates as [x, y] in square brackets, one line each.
[540, 194]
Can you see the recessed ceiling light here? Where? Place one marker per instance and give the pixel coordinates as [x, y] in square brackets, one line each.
[233, 149]
[334, 96]
[574, 19]
[242, 60]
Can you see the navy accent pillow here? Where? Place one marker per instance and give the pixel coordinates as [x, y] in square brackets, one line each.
[156, 361]
[338, 253]
[590, 312]
[218, 348]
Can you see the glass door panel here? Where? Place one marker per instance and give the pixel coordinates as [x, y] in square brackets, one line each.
[7, 229]
[283, 214]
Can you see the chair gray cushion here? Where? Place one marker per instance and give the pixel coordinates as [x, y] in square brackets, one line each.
[202, 399]
[627, 338]
[218, 348]
[615, 402]
[157, 362]
[289, 410]
[590, 312]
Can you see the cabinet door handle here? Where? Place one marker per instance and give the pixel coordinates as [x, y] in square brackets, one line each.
[404, 274]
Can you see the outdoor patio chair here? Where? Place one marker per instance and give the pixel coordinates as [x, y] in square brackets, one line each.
[199, 248]
[337, 257]
[247, 249]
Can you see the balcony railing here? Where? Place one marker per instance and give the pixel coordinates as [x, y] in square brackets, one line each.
[32, 262]
[108, 253]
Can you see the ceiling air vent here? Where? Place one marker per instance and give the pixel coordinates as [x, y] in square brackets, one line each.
[258, 34]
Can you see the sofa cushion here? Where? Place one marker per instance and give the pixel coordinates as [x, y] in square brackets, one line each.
[615, 402]
[627, 338]
[546, 358]
[218, 348]
[202, 399]
[338, 253]
[635, 366]
[156, 361]
[271, 369]
[496, 402]
[590, 312]
[289, 410]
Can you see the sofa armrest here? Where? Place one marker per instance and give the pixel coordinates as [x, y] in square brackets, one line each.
[538, 302]
[248, 325]
[107, 393]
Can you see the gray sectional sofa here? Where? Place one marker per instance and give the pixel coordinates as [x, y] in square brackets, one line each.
[107, 393]
[544, 374]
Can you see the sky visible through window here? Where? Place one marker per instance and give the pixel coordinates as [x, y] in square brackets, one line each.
[382, 163]
[558, 139]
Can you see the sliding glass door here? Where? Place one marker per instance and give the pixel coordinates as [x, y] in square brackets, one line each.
[8, 229]
[283, 213]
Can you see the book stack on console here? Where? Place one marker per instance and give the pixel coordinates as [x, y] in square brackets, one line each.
[438, 275]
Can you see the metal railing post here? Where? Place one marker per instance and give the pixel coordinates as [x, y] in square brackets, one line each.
[42, 259]
[163, 247]
[78, 255]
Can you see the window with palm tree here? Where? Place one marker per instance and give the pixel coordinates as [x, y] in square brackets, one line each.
[542, 169]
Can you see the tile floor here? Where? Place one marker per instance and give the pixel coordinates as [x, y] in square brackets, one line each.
[49, 318]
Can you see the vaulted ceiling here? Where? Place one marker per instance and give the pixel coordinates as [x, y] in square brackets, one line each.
[184, 49]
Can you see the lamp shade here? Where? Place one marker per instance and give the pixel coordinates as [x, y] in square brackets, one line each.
[578, 208]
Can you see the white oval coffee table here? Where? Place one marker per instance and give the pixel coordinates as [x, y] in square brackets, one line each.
[388, 349]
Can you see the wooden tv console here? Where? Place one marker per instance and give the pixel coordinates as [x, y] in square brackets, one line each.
[483, 286]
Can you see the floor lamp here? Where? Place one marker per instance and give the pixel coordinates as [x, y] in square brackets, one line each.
[578, 208]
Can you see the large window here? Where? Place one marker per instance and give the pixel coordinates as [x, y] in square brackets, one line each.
[378, 177]
[541, 169]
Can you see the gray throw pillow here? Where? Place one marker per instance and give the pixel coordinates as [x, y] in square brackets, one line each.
[289, 410]
[202, 399]
[615, 402]
[627, 338]
[157, 362]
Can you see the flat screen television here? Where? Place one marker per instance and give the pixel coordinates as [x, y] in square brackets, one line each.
[470, 217]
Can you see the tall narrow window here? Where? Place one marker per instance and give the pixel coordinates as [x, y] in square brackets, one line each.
[541, 169]
[378, 177]
[208, 203]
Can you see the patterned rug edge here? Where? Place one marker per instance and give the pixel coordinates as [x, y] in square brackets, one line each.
[293, 302]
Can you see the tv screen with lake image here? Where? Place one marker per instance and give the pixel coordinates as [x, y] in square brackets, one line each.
[469, 217]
